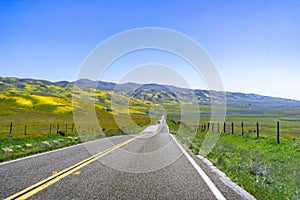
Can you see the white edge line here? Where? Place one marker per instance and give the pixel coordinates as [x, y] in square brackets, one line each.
[52, 151]
[207, 180]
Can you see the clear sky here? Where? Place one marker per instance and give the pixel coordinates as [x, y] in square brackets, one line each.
[254, 44]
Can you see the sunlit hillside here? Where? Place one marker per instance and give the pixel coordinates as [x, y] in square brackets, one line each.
[129, 98]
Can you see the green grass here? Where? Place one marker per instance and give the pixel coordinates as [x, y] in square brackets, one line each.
[38, 112]
[39, 117]
[35, 145]
[261, 166]
[289, 124]
[38, 133]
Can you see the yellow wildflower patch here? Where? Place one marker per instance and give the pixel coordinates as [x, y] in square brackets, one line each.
[12, 90]
[29, 87]
[63, 109]
[100, 94]
[49, 100]
[3, 96]
[23, 101]
[99, 106]
[133, 111]
[53, 87]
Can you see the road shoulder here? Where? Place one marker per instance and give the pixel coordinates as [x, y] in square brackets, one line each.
[226, 186]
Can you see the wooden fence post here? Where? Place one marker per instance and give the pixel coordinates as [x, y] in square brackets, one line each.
[224, 127]
[25, 129]
[242, 128]
[208, 125]
[10, 129]
[257, 130]
[212, 127]
[66, 128]
[218, 127]
[278, 134]
[72, 128]
[50, 127]
[232, 128]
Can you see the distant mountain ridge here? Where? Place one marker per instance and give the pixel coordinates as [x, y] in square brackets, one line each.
[155, 93]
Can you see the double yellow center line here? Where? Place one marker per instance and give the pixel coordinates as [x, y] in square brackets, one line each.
[31, 190]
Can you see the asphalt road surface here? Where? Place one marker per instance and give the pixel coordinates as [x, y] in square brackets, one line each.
[149, 165]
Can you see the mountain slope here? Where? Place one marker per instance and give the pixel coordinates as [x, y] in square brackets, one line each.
[141, 97]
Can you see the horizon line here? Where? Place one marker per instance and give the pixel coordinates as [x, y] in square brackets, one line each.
[108, 81]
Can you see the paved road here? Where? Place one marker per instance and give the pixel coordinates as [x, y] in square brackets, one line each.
[150, 166]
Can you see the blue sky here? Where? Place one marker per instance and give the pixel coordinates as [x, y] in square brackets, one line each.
[254, 44]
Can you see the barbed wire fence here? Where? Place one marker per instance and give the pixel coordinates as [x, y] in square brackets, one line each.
[18, 130]
[279, 130]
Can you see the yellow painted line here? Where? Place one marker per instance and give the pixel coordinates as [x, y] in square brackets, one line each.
[33, 189]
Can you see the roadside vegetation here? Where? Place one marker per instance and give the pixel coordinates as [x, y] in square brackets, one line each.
[29, 124]
[12, 148]
[264, 168]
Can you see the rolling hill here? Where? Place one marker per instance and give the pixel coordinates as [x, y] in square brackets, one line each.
[35, 94]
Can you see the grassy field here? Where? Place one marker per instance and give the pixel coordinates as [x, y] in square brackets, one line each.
[261, 166]
[12, 148]
[38, 113]
[289, 124]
